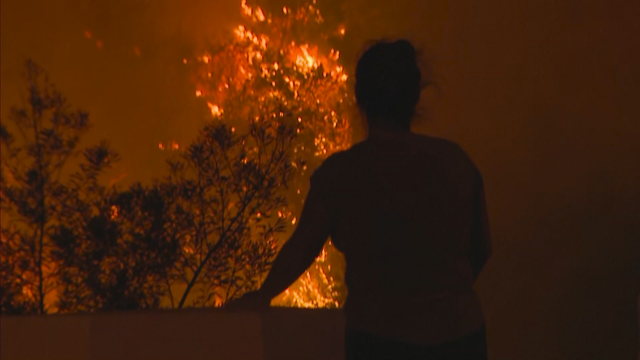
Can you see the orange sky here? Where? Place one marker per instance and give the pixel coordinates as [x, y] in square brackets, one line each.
[543, 95]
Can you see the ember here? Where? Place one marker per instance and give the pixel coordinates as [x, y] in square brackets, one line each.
[270, 66]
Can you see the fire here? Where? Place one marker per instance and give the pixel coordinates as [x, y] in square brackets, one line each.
[215, 109]
[171, 145]
[246, 10]
[259, 14]
[264, 64]
[305, 59]
[114, 212]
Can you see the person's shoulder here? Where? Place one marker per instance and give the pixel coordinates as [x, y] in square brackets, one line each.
[344, 156]
[330, 165]
[443, 145]
[451, 149]
[340, 161]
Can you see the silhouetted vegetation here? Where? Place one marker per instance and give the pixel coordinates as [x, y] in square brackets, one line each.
[199, 237]
[230, 202]
[208, 231]
[277, 63]
[35, 196]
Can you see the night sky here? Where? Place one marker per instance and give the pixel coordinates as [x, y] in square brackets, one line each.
[544, 96]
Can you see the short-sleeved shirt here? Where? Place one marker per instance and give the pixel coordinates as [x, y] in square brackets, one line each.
[407, 211]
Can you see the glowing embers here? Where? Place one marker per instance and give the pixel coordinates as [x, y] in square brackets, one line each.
[113, 212]
[244, 34]
[317, 287]
[269, 69]
[170, 145]
[306, 60]
[215, 109]
[254, 14]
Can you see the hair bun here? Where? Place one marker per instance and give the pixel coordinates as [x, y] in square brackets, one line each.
[404, 50]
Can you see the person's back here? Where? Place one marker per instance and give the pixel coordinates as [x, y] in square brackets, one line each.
[404, 207]
[409, 214]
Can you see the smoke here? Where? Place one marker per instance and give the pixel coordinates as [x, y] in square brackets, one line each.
[543, 96]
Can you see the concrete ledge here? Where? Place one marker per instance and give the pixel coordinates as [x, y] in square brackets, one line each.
[277, 334]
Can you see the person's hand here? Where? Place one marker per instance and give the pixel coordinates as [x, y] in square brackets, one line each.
[253, 300]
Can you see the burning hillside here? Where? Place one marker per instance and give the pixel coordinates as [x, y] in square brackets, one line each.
[272, 65]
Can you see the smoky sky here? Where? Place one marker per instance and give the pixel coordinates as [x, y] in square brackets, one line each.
[544, 96]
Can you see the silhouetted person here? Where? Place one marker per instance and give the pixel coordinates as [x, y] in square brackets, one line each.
[408, 212]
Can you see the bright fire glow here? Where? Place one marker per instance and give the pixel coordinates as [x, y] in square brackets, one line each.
[215, 109]
[263, 65]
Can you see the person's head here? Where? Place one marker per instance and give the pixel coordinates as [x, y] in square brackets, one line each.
[388, 84]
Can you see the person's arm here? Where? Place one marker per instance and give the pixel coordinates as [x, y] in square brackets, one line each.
[297, 254]
[480, 234]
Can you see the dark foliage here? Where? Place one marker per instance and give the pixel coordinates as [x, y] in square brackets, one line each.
[34, 194]
[207, 232]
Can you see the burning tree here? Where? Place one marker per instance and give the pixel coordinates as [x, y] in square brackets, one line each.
[69, 243]
[282, 64]
[207, 232]
[210, 226]
[231, 205]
